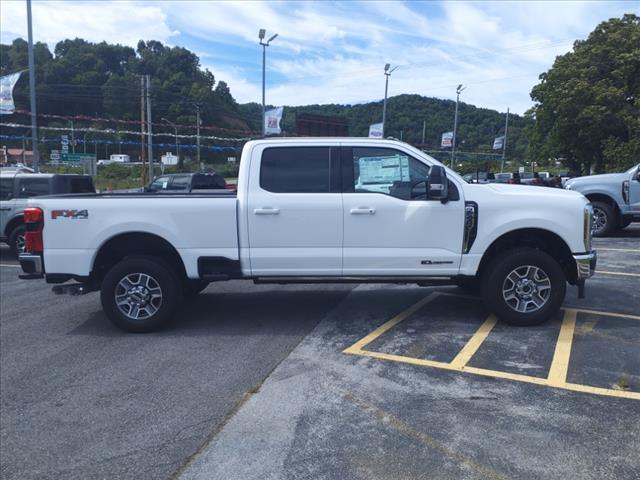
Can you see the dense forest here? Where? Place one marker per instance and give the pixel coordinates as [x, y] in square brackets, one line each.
[585, 113]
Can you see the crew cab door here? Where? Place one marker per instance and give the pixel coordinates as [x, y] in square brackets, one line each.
[7, 202]
[386, 232]
[294, 210]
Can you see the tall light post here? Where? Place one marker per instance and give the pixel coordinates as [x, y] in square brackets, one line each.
[387, 73]
[455, 124]
[261, 35]
[175, 130]
[32, 92]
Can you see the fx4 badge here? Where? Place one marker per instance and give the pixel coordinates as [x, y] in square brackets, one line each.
[76, 214]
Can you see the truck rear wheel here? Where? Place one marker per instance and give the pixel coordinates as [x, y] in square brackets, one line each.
[16, 240]
[524, 286]
[604, 219]
[139, 294]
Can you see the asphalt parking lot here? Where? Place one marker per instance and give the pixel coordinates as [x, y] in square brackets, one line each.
[375, 381]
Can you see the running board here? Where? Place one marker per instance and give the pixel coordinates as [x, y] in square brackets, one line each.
[422, 281]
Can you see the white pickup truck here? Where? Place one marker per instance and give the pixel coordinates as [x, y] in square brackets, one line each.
[317, 210]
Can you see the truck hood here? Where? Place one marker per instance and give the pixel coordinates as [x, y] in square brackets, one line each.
[598, 179]
[532, 191]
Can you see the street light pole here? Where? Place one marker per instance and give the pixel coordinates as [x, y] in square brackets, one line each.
[455, 124]
[32, 92]
[387, 73]
[261, 35]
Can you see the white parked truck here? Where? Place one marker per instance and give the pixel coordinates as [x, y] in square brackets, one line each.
[313, 210]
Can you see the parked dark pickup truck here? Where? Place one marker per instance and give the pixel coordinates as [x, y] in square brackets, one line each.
[187, 182]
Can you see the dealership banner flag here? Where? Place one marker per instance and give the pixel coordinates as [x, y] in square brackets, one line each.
[7, 83]
[375, 130]
[272, 120]
[447, 140]
[498, 143]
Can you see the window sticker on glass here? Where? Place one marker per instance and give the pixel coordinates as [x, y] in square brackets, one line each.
[377, 174]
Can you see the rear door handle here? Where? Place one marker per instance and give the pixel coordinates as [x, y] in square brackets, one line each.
[5, 209]
[266, 211]
[362, 211]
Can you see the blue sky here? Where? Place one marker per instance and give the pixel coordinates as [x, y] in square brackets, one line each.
[334, 52]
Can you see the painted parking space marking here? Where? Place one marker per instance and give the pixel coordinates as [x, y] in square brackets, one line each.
[634, 250]
[557, 377]
[624, 274]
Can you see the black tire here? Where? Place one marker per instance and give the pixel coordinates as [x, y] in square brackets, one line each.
[604, 219]
[546, 286]
[154, 314]
[16, 240]
[194, 287]
[470, 285]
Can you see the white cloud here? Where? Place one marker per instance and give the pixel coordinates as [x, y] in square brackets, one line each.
[333, 52]
[122, 22]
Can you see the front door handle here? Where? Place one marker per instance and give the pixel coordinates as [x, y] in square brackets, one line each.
[266, 211]
[362, 211]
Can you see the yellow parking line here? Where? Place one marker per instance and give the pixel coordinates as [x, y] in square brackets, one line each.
[9, 265]
[626, 274]
[557, 377]
[560, 363]
[356, 347]
[472, 346]
[635, 250]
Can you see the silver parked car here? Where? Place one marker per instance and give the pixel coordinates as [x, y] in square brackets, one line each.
[16, 188]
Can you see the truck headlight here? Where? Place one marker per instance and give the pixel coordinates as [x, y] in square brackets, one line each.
[588, 226]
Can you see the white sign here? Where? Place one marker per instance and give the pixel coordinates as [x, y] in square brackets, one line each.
[498, 143]
[447, 140]
[64, 140]
[7, 83]
[375, 130]
[272, 121]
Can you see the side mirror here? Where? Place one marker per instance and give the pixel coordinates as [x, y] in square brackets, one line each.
[437, 184]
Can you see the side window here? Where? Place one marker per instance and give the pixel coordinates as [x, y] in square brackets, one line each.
[180, 182]
[160, 183]
[6, 188]
[296, 170]
[81, 185]
[33, 187]
[388, 171]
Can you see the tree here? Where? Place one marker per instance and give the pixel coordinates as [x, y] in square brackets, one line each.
[587, 109]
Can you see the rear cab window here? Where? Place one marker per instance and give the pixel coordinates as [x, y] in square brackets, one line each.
[33, 187]
[300, 169]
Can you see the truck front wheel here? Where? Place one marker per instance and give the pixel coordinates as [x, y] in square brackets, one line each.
[604, 219]
[139, 294]
[524, 286]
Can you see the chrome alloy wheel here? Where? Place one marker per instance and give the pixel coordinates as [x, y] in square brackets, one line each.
[138, 296]
[599, 220]
[20, 243]
[526, 289]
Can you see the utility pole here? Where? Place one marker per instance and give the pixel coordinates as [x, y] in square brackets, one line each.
[455, 124]
[32, 93]
[149, 129]
[504, 143]
[198, 135]
[261, 35]
[142, 121]
[424, 130]
[387, 73]
[175, 131]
